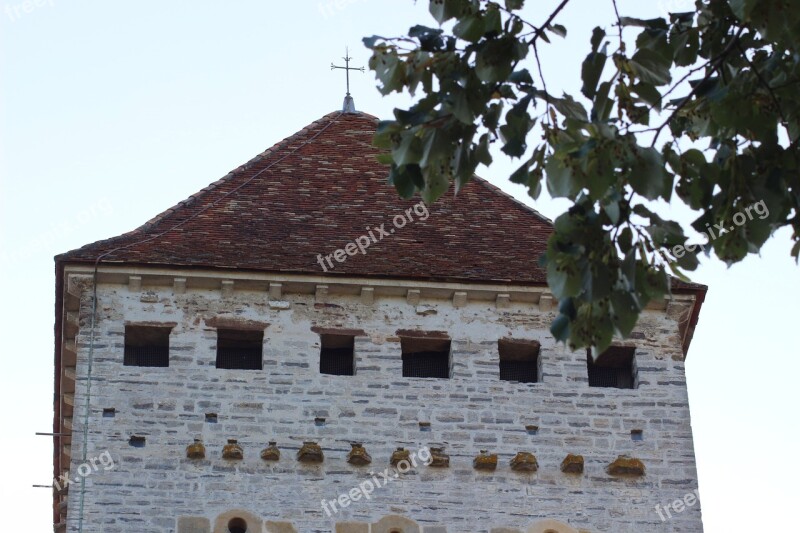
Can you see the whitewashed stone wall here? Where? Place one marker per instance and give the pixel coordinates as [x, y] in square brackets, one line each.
[151, 487]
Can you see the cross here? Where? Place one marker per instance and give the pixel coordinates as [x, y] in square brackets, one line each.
[347, 69]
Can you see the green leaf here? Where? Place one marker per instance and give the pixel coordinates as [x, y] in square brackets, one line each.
[591, 71]
[563, 282]
[651, 24]
[558, 29]
[625, 240]
[612, 210]
[481, 152]
[369, 42]
[444, 10]
[560, 182]
[601, 111]
[560, 328]
[521, 76]
[521, 175]
[402, 182]
[460, 107]
[651, 67]
[568, 107]
[649, 176]
[648, 94]
[743, 8]
[626, 312]
[385, 159]
[514, 4]
[688, 260]
[435, 185]
[515, 132]
[436, 148]
[686, 54]
[469, 28]
[796, 252]
[491, 118]
[492, 21]
[495, 58]
[598, 34]
[409, 151]
[389, 70]
[384, 132]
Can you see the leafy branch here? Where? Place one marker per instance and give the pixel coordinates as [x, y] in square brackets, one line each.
[609, 253]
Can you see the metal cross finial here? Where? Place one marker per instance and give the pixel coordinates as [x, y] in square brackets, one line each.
[348, 101]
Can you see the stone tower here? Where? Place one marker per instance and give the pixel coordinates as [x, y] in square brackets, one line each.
[295, 348]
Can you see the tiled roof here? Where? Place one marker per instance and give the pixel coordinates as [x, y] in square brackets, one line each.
[317, 191]
[320, 189]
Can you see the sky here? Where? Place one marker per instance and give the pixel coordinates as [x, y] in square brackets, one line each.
[111, 112]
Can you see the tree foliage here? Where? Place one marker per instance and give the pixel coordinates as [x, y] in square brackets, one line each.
[702, 109]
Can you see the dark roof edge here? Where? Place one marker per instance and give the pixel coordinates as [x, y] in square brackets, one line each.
[494, 188]
[65, 261]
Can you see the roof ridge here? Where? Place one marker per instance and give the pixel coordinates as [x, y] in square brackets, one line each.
[494, 188]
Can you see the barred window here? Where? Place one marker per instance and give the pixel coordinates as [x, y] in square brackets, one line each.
[519, 360]
[425, 357]
[336, 355]
[613, 368]
[239, 349]
[147, 346]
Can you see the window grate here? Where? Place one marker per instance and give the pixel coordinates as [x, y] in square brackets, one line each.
[522, 371]
[146, 346]
[239, 350]
[239, 358]
[336, 361]
[607, 377]
[147, 356]
[426, 365]
[519, 360]
[613, 369]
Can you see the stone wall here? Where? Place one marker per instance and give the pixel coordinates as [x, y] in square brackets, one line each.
[151, 487]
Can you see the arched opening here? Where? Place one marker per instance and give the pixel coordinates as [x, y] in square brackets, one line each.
[238, 521]
[551, 526]
[237, 525]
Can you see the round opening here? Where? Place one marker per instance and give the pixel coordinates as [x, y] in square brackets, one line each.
[237, 525]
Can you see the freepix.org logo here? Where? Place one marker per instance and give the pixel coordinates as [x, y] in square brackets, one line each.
[373, 236]
[366, 488]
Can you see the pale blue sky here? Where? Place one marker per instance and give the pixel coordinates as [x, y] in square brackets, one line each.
[114, 111]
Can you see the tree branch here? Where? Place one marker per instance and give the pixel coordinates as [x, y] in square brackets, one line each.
[765, 84]
[714, 66]
[549, 20]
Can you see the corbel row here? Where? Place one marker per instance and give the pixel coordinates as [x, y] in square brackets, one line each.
[402, 459]
[367, 295]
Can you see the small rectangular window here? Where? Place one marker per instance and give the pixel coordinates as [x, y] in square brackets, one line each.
[336, 355]
[147, 346]
[239, 349]
[425, 357]
[519, 360]
[614, 368]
